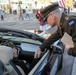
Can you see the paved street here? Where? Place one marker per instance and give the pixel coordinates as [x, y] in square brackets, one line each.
[12, 21]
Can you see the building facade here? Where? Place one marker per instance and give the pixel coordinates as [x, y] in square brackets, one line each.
[11, 5]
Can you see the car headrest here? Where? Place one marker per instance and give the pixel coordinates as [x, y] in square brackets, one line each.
[6, 53]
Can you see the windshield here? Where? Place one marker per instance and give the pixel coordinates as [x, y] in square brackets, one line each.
[16, 37]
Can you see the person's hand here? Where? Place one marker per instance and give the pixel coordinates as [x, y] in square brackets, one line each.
[69, 50]
[47, 36]
[15, 54]
[67, 47]
[37, 53]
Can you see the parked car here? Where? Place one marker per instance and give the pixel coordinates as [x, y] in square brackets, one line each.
[26, 44]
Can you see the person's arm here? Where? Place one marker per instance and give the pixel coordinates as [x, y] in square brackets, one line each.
[71, 50]
[54, 37]
[47, 43]
[72, 32]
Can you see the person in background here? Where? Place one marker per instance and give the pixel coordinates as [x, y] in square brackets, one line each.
[20, 13]
[27, 13]
[40, 20]
[2, 14]
[37, 14]
[43, 25]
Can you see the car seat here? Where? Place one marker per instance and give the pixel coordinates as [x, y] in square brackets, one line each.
[2, 68]
[6, 55]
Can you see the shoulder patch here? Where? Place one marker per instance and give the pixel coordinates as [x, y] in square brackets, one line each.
[71, 23]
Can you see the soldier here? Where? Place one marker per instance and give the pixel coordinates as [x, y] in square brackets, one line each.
[66, 23]
[2, 14]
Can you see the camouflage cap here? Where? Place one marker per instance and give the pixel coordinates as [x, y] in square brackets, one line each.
[48, 9]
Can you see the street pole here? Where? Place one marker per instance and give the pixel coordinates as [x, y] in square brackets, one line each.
[10, 10]
[0, 6]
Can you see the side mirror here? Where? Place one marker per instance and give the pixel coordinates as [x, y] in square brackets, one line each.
[57, 49]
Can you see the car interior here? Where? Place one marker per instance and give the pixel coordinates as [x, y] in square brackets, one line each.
[26, 44]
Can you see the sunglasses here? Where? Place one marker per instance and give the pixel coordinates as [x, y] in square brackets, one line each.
[45, 18]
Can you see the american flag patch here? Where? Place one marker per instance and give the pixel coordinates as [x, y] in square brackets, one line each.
[71, 23]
